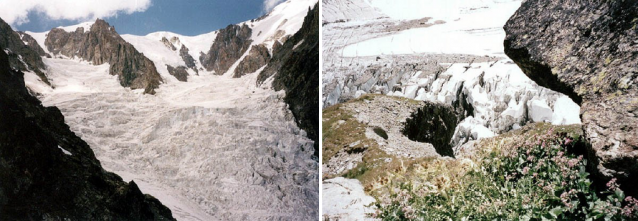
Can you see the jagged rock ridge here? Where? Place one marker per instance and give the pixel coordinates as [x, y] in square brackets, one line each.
[102, 44]
[229, 46]
[48, 173]
[22, 57]
[587, 50]
[297, 66]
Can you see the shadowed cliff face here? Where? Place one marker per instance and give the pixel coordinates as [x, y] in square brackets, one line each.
[587, 50]
[230, 44]
[297, 66]
[49, 173]
[433, 123]
[102, 44]
[22, 57]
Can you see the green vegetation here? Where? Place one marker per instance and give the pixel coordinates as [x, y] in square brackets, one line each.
[528, 174]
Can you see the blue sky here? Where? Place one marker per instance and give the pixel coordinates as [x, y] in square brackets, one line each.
[186, 17]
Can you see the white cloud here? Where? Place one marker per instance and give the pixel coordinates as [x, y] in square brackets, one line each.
[270, 4]
[15, 12]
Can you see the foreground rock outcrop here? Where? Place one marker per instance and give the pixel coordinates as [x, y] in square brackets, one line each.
[229, 46]
[587, 50]
[22, 57]
[297, 66]
[102, 44]
[49, 173]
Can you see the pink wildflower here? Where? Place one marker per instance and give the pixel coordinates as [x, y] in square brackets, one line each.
[568, 141]
[612, 185]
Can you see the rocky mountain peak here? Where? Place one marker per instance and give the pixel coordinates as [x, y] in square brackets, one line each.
[102, 44]
[230, 44]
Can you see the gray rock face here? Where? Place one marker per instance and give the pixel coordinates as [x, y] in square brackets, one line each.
[230, 44]
[587, 50]
[22, 57]
[102, 44]
[179, 72]
[257, 58]
[188, 59]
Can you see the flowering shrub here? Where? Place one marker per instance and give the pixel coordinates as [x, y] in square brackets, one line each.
[533, 179]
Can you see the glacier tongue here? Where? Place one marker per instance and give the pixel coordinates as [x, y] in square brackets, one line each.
[213, 148]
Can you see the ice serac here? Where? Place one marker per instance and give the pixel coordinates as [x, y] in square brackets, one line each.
[297, 72]
[49, 173]
[587, 50]
[229, 46]
[256, 58]
[22, 57]
[102, 44]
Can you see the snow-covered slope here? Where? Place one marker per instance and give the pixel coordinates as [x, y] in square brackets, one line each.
[212, 148]
[471, 27]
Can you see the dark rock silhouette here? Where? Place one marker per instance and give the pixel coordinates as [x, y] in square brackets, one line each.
[49, 173]
[296, 63]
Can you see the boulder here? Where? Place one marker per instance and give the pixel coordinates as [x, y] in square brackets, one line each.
[588, 50]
